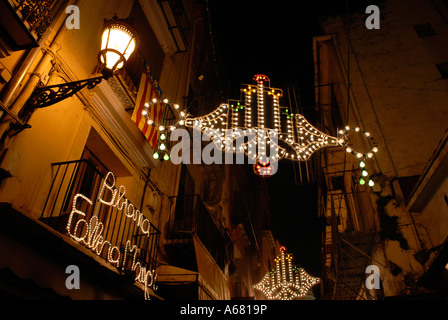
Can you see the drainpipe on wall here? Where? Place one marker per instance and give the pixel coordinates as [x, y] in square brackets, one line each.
[41, 71]
[9, 106]
[18, 78]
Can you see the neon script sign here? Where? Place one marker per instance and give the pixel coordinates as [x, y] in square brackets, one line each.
[90, 233]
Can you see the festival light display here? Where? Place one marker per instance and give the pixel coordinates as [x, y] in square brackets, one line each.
[91, 233]
[259, 117]
[286, 281]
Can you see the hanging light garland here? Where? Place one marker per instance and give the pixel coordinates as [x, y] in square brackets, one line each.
[362, 157]
[286, 281]
[343, 133]
[365, 176]
[162, 151]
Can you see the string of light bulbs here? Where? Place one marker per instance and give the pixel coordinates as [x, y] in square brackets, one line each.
[361, 156]
[257, 124]
[162, 151]
[286, 281]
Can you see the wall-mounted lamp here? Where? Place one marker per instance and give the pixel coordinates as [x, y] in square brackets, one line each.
[118, 42]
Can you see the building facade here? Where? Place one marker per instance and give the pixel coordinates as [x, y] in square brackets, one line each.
[81, 192]
[388, 82]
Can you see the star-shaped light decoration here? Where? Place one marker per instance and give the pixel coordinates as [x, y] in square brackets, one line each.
[285, 281]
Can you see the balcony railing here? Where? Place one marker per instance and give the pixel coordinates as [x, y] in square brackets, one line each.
[193, 217]
[36, 14]
[111, 224]
[177, 21]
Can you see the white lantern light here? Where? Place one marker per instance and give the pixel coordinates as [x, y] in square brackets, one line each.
[118, 41]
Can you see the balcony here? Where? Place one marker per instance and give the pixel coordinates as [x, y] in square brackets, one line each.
[108, 231]
[177, 21]
[24, 22]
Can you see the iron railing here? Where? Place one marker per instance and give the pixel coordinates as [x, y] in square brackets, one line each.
[37, 14]
[81, 177]
[177, 21]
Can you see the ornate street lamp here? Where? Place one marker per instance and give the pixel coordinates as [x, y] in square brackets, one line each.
[118, 42]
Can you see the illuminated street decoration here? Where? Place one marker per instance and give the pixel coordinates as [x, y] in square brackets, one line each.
[240, 126]
[286, 281]
[362, 157]
[90, 233]
[264, 169]
[365, 175]
[261, 117]
[163, 127]
[369, 154]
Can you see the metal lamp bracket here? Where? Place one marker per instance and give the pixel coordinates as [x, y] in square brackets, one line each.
[47, 96]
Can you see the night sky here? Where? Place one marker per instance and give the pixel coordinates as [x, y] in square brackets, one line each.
[275, 38]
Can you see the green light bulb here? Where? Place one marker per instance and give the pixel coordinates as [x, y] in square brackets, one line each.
[362, 181]
[166, 157]
[162, 137]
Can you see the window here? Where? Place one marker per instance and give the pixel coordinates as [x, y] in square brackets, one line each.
[337, 182]
[424, 30]
[407, 185]
[443, 69]
[177, 21]
[149, 50]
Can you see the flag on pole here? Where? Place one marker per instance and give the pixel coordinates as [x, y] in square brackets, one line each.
[146, 92]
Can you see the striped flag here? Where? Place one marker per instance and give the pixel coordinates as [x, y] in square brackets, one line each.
[146, 93]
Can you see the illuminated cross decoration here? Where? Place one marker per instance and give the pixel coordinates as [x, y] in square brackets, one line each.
[285, 281]
[258, 116]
